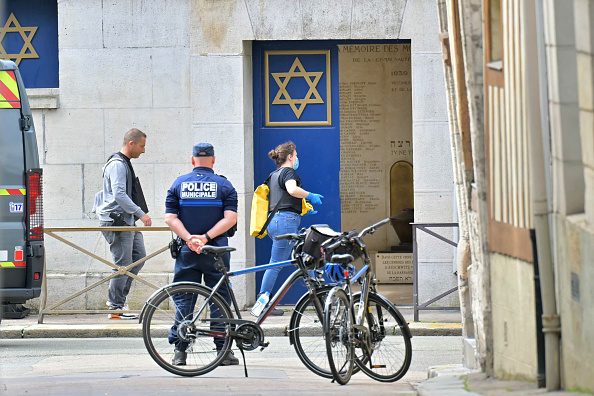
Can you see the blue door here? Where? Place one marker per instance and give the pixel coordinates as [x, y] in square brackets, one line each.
[296, 99]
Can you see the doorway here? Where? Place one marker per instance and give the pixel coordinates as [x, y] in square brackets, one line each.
[347, 105]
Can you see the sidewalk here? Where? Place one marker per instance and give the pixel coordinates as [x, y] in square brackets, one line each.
[434, 323]
[449, 380]
[456, 380]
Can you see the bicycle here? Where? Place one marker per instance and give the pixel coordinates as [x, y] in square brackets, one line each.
[363, 330]
[198, 315]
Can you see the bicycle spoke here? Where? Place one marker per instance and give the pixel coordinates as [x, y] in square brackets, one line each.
[390, 350]
[307, 336]
[167, 327]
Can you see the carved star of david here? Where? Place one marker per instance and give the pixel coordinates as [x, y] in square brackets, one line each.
[27, 45]
[283, 97]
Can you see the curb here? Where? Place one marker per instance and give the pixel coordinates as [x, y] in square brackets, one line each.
[135, 330]
[12, 332]
[445, 329]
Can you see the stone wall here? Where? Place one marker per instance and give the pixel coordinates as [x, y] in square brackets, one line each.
[514, 318]
[180, 71]
[575, 275]
[574, 222]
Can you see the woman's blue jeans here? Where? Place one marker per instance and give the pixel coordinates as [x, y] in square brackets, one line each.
[281, 223]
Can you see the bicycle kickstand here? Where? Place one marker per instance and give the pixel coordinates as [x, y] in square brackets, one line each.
[243, 358]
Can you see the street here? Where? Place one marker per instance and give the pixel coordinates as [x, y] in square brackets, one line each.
[121, 366]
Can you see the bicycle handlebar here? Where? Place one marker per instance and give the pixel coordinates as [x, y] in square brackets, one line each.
[293, 237]
[353, 234]
[334, 245]
[372, 228]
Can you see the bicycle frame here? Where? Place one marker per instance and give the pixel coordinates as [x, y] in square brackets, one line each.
[368, 273]
[366, 285]
[225, 280]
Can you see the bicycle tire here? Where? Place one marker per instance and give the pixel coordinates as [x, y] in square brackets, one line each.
[391, 353]
[162, 312]
[306, 334]
[339, 336]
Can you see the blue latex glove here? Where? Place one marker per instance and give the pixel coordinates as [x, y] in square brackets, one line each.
[310, 212]
[315, 199]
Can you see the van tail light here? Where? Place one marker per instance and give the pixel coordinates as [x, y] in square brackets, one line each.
[35, 204]
[18, 253]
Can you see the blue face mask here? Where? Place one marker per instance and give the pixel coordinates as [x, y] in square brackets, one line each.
[296, 164]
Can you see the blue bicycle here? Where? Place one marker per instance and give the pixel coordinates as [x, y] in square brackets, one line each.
[202, 321]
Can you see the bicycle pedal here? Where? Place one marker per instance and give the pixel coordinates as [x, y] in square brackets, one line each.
[264, 346]
[378, 366]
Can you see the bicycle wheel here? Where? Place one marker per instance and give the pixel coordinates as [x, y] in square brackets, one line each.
[307, 334]
[389, 338]
[166, 323]
[338, 333]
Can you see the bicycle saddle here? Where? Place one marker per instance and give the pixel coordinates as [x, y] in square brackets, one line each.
[216, 250]
[341, 258]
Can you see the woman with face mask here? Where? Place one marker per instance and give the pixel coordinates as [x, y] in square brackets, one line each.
[284, 184]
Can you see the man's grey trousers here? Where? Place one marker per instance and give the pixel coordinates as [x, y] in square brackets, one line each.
[126, 247]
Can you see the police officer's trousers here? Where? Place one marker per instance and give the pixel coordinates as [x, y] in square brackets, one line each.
[199, 268]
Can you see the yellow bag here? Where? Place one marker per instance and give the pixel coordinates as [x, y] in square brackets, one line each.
[259, 211]
[305, 207]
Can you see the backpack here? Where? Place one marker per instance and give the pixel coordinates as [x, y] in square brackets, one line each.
[259, 217]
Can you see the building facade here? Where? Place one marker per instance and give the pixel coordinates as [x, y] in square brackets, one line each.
[368, 81]
[519, 81]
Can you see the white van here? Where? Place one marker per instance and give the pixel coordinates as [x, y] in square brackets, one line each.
[21, 207]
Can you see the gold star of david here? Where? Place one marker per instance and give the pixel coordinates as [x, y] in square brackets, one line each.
[312, 79]
[27, 46]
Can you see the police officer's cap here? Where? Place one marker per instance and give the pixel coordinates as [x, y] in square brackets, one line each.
[203, 150]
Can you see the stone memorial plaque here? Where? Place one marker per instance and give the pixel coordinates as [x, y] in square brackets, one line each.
[394, 267]
[375, 132]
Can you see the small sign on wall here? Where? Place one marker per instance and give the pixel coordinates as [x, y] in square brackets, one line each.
[394, 267]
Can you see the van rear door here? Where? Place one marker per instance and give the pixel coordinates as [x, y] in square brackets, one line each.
[12, 185]
[21, 222]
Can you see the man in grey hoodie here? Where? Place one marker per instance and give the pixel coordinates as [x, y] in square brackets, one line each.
[121, 204]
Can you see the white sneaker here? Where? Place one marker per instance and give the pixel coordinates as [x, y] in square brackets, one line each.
[124, 316]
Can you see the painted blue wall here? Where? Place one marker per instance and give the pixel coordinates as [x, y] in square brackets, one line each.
[43, 14]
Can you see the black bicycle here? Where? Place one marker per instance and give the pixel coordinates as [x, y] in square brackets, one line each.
[362, 330]
[197, 315]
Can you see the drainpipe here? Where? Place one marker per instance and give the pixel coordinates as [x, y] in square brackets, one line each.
[537, 126]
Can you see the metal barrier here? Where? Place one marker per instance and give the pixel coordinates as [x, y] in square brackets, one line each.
[120, 270]
[425, 306]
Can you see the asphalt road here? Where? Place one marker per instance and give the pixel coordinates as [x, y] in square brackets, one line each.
[121, 366]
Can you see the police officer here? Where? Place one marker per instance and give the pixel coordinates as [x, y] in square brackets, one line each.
[200, 208]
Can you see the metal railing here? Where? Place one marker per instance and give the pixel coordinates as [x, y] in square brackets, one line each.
[43, 310]
[425, 306]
